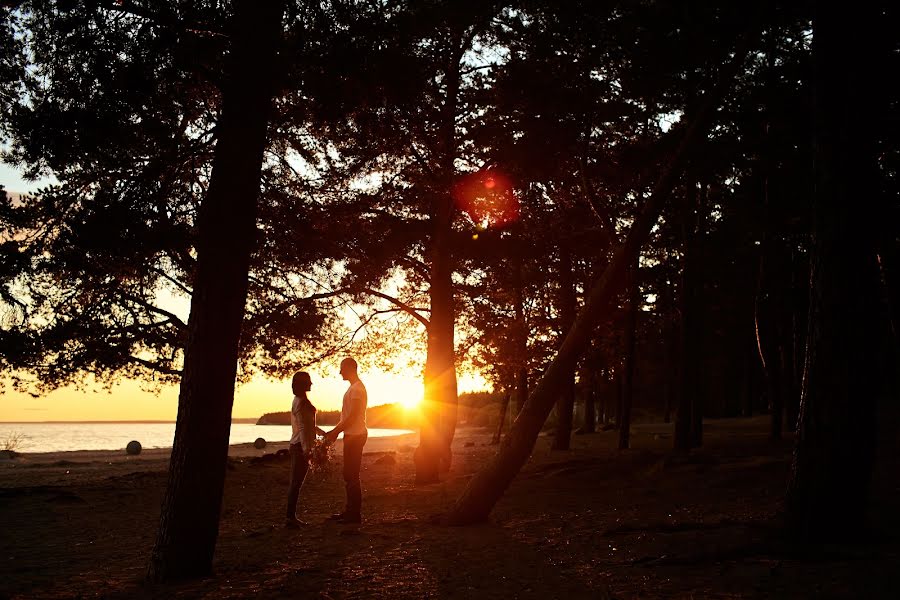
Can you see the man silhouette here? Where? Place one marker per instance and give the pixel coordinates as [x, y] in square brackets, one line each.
[353, 425]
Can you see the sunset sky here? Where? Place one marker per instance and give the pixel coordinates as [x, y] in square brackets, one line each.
[128, 402]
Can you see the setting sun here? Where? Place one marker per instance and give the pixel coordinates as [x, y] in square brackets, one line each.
[409, 394]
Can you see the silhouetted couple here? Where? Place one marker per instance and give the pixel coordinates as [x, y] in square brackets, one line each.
[303, 437]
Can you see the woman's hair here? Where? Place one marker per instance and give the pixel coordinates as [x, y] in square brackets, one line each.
[300, 376]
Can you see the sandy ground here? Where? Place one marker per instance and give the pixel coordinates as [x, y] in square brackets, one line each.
[592, 522]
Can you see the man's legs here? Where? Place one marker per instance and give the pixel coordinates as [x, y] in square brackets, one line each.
[353, 449]
[299, 467]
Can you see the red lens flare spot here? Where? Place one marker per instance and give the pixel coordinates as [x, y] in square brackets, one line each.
[487, 198]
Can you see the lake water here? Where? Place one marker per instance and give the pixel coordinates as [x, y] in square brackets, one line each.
[56, 437]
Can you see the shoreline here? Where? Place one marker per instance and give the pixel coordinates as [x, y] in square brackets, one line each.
[147, 455]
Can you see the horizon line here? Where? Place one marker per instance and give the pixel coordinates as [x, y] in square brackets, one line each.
[108, 421]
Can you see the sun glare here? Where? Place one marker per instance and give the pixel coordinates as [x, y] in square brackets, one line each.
[409, 397]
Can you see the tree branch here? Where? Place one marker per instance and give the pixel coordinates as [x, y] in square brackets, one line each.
[154, 367]
[413, 312]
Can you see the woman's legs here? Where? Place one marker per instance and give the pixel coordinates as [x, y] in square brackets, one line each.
[299, 467]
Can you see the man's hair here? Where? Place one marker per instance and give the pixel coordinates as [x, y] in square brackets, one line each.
[350, 363]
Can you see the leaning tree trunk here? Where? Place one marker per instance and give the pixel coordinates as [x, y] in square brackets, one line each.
[189, 520]
[565, 404]
[829, 486]
[489, 484]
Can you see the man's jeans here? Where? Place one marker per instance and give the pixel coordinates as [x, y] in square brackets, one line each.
[353, 449]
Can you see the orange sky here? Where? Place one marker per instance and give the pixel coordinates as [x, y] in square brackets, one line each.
[127, 402]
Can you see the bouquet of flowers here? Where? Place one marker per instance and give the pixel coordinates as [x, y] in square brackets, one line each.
[321, 458]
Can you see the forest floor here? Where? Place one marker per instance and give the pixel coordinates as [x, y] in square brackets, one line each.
[592, 522]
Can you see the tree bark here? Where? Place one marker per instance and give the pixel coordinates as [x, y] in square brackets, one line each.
[697, 313]
[619, 387]
[521, 336]
[602, 392]
[436, 434]
[628, 372]
[690, 330]
[795, 358]
[589, 385]
[669, 369]
[189, 520]
[504, 405]
[489, 484]
[829, 486]
[769, 338]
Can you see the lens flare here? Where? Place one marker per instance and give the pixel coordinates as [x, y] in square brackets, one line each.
[487, 198]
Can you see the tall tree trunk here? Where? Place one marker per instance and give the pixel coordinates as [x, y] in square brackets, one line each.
[567, 308]
[189, 519]
[440, 408]
[770, 293]
[489, 484]
[689, 368]
[602, 393]
[628, 372]
[589, 386]
[435, 436]
[795, 351]
[890, 281]
[752, 379]
[697, 327]
[521, 388]
[521, 337]
[829, 486]
[769, 338]
[670, 373]
[619, 387]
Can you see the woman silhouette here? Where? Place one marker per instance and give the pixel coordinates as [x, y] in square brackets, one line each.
[303, 436]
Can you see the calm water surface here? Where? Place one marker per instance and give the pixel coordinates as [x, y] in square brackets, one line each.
[56, 437]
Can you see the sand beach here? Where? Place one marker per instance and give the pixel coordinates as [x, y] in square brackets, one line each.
[592, 522]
